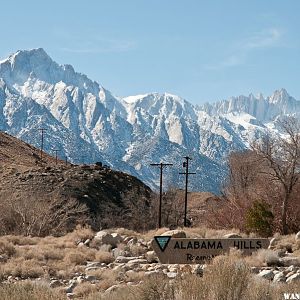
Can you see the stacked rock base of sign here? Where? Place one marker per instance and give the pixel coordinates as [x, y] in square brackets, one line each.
[132, 260]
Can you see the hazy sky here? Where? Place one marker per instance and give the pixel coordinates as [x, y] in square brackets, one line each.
[200, 50]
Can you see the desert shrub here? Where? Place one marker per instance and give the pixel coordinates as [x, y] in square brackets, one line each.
[84, 289]
[263, 257]
[7, 249]
[227, 278]
[104, 257]
[76, 258]
[259, 218]
[28, 291]
[157, 287]
[19, 267]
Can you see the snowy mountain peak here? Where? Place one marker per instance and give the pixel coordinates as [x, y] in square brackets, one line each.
[37, 65]
[279, 96]
[88, 123]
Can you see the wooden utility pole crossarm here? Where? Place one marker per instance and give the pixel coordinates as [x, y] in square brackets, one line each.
[186, 173]
[161, 166]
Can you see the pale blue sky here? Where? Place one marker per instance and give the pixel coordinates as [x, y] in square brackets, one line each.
[200, 50]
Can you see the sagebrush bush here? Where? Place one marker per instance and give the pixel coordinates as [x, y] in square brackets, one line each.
[28, 291]
[104, 257]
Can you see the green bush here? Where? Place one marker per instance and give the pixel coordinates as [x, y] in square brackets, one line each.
[259, 218]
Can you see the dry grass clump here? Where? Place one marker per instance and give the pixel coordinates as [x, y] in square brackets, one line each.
[85, 288]
[78, 234]
[228, 277]
[29, 253]
[19, 267]
[20, 240]
[105, 275]
[285, 242]
[28, 291]
[80, 256]
[263, 257]
[104, 257]
[259, 289]
[7, 249]
[135, 276]
[136, 250]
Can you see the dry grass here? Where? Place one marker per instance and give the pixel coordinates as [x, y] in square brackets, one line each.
[104, 257]
[7, 249]
[105, 275]
[19, 267]
[263, 257]
[80, 256]
[228, 278]
[86, 288]
[28, 291]
[20, 240]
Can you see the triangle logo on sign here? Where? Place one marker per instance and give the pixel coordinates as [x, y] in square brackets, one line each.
[162, 242]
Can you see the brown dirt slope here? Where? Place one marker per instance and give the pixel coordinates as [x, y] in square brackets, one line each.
[24, 174]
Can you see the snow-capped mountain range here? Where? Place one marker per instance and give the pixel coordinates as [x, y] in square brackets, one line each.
[87, 123]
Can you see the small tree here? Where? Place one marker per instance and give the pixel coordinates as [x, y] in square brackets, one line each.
[281, 157]
[259, 218]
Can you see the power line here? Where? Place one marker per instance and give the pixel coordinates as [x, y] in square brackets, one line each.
[42, 141]
[186, 173]
[161, 166]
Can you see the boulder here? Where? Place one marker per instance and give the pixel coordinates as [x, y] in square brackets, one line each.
[80, 279]
[171, 275]
[232, 236]
[87, 242]
[118, 252]
[279, 277]
[124, 259]
[105, 248]
[151, 273]
[198, 270]
[70, 288]
[266, 274]
[104, 237]
[112, 288]
[55, 283]
[175, 233]
[151, 257]
[117, 237]
[138, 261]
[290, 261]
[293, 278]
[90, 278]
[95, 264]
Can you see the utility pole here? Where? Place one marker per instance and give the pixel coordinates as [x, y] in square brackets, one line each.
[161, 166]
[186, 173]
[56, 151]
[42, 142]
